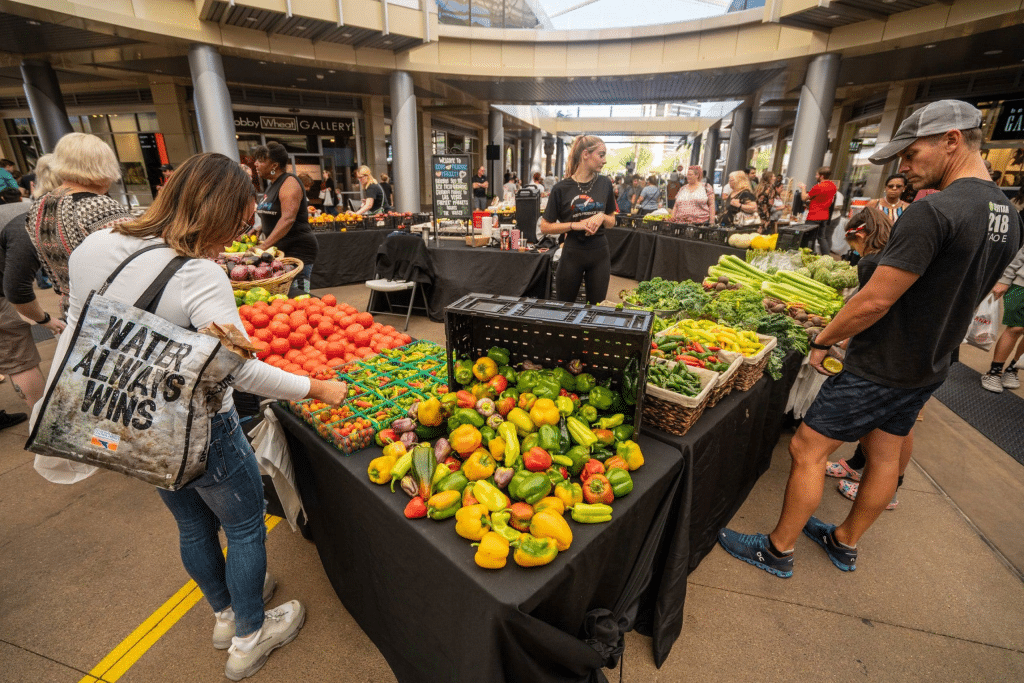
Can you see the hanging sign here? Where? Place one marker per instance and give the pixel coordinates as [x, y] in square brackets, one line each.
[450, 180]
[1010, 123]
[257, 122]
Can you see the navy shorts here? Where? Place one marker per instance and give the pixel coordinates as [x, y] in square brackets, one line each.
[849, 407]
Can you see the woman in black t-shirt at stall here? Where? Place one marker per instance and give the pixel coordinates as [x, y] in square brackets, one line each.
[581, 207]
[375, 201]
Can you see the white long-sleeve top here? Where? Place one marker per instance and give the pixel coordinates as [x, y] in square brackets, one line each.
[198, 294]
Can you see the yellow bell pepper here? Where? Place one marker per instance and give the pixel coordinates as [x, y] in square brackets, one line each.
[630, 452]
[465, 439]
[484, 369]
[569, 493]
[492, 551]
[479, 465]
[549, 524]
[497, 448]
[429, 412]
[490, 496]
[380, 469]
[534, 552]
[395, 449]
[552, 503]
[544, 412]
[473, 522]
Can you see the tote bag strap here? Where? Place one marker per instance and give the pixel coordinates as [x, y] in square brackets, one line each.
[150, 298]
[117, 271]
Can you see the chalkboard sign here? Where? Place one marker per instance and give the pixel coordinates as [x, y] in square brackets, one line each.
[451, 178]
[1010, 123]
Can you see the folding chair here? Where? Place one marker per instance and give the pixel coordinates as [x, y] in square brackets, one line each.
[403, 264]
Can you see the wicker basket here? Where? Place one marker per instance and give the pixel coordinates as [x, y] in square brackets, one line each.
[279, 284]
[675, 413]
[726, 381]
[753, 367]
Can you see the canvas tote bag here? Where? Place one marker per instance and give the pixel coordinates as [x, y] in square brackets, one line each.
[134, 393]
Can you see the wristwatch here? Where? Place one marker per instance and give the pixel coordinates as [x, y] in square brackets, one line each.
[46, 319]
[820, 347]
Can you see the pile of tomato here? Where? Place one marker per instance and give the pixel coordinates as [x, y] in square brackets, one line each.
[312, 336]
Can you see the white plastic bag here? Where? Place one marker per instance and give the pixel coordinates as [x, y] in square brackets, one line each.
[275, 461]
[984, 328]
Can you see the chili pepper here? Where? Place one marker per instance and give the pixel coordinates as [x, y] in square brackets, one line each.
[479, 465]
[489, 496]
[409, 486]
[416, 509]
[500, 525]
[623, 432]
[444, 505]
[580, 432]
[592, 514]
[401, 467]
[507, 432]
[562, 460]
[473, 522]
[526, 400]
[597, 489]
[630, 380]
[484, 369]
[379, 469]
[611, 422]
[521, 419]
[630, 452]
[587, 413]
[605, 437]
[423, 465]
[492, 551]
[569, 493]
[499, 355]
[549, 524]
[553, 503]
[591, 468]
[620, 481]
[534, 552]
[453, 481]
[544, 412]
[537, 459]
[465, 439]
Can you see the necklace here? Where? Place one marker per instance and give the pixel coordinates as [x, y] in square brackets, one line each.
[585, 188]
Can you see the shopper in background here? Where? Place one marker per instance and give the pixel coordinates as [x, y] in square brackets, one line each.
[647, 200]
[309, 190]
[903, 325]
[8, 185]
[284, 213]
[208, 202]
[741, 198]
[819, 209]
[166, 171]
[752, 176]
[59, 220]
[480, 186]
[375, 201]
[623, 193]
[695, 201]
[765, 195]
[1011, 288]
[508, 190]
[537, 184]
[891, 202]
[581, 207]
[389, 191]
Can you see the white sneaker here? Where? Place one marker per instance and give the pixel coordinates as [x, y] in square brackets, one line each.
[224, 628]
[993, 383]
[1010, 380]
[280, 626]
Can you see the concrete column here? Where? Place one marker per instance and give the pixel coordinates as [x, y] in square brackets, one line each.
[739, 139]
[900, 97]
[813, 114]
[404, 143]
[559, 170]
[695, 151]
[376, 152]
[711, 153]
[496, 169]
[426, 150]
[549, 155]
[537, 153]
[778, 151]
[213, 103]
[524, 159]
[171, 105]
[46, 102]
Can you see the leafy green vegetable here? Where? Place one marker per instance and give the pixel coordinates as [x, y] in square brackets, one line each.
[667, 295]
[790, 336]
[740, 308]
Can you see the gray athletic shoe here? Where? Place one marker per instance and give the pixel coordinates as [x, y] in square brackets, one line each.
[224, 628]
[280, 626]
[1010, 380]
[993, 383]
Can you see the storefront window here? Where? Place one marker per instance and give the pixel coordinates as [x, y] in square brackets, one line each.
[862, 146]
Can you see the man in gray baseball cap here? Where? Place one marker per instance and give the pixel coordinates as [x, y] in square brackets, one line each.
[945, 254]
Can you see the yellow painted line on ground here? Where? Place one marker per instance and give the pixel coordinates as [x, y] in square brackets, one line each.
[129, 650]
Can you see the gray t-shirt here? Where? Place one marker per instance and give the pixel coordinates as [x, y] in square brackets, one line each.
[958, 241]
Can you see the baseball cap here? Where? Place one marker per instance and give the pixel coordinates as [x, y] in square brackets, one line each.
[937, 117]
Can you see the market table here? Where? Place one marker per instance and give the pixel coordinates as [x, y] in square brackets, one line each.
[726, 451]
[632, 252]
[413, 587]
[345, 258]
[640, 255]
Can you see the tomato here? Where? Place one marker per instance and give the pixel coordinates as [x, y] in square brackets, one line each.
[329, 300]
[247, 326]
[245, 310]
[265, 335]
[364, 319]
[297, 340]
[304, 330]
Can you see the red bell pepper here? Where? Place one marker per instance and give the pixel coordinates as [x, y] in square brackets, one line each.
[592, 468]
[499, 383]
[597, 489]
[466, 399]
[537, 459]
[416, 508]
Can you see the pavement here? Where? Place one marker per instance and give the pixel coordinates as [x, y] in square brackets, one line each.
[91, 583]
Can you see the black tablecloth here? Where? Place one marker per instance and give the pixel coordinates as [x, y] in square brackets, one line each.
[726, 452]
[345, 258]
[641, 256]
[435, 616]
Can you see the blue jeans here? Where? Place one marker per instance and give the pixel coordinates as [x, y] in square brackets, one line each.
[230, 493]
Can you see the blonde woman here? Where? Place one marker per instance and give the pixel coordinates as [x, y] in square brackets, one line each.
[85, 167]
[741, 198]
[375, 201]
[581, 207]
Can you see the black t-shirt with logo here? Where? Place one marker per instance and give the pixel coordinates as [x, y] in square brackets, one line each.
[958, 241]
[479, 191]
[567, 203]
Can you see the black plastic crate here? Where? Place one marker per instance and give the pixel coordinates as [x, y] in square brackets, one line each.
[418, 218]
[378, 222]
[551, 333]
[622, 220]
[796, 236]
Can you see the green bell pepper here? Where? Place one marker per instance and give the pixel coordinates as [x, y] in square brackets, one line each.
[623, 432]
[580, 455]
[456, 481]
[588, 413]
[585, 382]
[464, 371]
[547, 387]
[565, 379]
[498, 355]
[470, 416]
[600, 453]
[508, 372]
[486, 434]
[601, 398]
[517, 479]
[533, 487]
[548, 438]
[565, 406]
[621, 482]
[610, 422]
[508, 393]
[529, 441]
[554, 476]
[526, 380]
